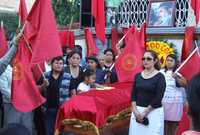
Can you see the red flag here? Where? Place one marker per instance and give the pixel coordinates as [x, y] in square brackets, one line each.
[114, 39]
[91, 45]
[44, 38]
[187, 43]
[67, 38]
[196, 7]
[184, 123]
[37, 70]
[22, 11]
[191, 65]
[3, 42]
[25, 93]
[99, 16]
[129, 61]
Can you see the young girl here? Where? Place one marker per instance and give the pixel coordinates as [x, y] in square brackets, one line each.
[173, 99]
[89, 80]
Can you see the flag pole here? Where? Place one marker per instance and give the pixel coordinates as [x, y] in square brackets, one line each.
[119, 42]
[188, 58]
[30, 49]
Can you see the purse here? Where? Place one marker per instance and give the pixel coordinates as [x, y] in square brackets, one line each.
[144, 122]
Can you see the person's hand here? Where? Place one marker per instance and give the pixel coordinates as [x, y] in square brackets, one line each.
[145, 113]
[17, 38]
[138, 116]
[180, 79]
[45, 83]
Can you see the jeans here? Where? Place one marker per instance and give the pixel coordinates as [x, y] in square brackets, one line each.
[49, 120]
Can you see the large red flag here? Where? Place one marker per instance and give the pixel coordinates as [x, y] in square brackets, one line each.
[191, 65]
[25, 93]
[67, 38]
[98, 11]
[3, 42]
[22, 11]
[187, 43]
[129, 61]
[91, 45]
[44, 38]
[196, 7]
[114, 39]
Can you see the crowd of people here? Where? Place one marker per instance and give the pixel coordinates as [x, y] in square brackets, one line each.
[158, 95]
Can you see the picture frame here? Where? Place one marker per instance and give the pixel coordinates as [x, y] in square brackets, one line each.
[161, 13]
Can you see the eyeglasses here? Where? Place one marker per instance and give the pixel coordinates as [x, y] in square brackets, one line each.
[147, 58]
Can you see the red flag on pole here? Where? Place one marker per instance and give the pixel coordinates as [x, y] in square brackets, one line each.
[187, 43]
[22, 11]
[196, 7]
[91, 45]
[114, 39]
[3, 42]
[67, 38]
[44, 38]
[25, 94]
[98, 13]
[191, 65]
[129, 61]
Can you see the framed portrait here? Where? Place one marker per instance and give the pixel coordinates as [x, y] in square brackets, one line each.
[161, 13]
[111, 13]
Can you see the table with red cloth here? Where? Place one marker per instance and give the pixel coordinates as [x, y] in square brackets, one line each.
[96, 106]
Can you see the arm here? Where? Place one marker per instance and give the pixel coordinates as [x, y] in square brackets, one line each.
[5, 60]
[180, 80]
[42, 84]
[133, 101]
[160, 89]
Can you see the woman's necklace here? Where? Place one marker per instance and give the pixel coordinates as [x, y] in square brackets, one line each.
[148, 74]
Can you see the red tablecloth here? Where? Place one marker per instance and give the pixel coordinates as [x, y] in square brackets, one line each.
[96, 105]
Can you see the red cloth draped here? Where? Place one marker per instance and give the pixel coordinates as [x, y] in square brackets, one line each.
[98, 11]
[25, 93]
[22, 11]
[187, 43]
[3, 42]
[95, 106]
[114, 39]
[196, 7]
[67, 38]
[129, 61]
[43, 35]
[91, 45]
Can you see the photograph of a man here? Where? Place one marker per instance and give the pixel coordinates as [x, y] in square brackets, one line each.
[161, 14]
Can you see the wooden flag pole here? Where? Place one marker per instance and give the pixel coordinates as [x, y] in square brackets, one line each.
[30, 49]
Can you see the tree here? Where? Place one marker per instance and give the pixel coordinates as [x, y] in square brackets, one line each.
[65, 10]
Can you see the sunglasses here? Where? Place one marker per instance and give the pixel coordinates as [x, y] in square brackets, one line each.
[147, 58]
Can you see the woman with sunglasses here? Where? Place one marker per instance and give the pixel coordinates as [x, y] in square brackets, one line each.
[174, 96]
[148, 89]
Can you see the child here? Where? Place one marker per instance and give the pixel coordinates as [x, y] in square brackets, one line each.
[89, 80]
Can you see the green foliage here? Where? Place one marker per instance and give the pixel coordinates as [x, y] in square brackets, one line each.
[64, 10]
[10, 21]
